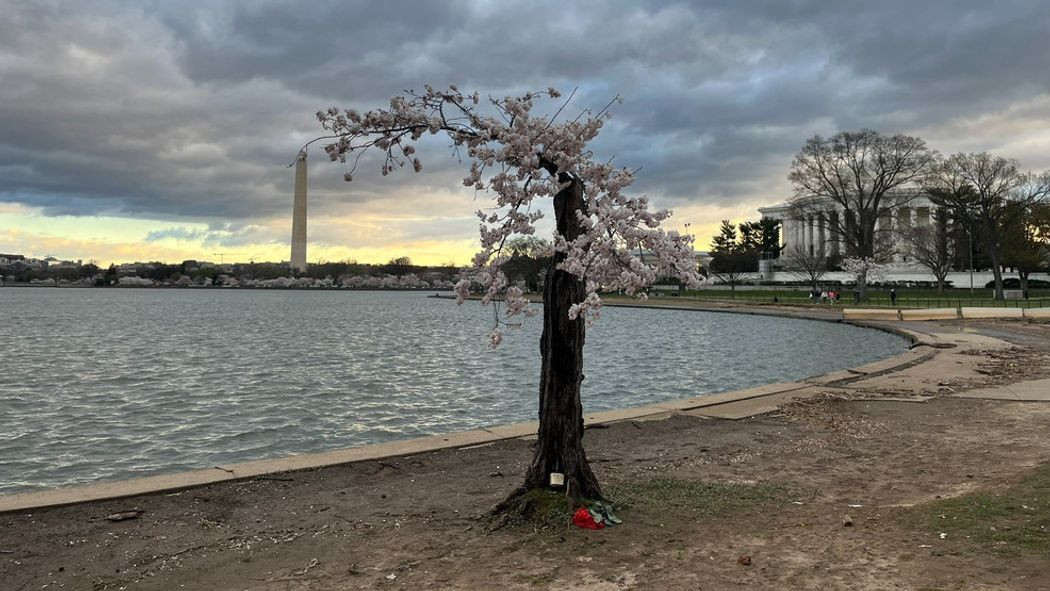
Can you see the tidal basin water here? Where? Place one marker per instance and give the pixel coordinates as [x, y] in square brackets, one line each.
[100, 384]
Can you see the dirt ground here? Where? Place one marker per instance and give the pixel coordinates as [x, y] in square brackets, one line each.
[417, 522]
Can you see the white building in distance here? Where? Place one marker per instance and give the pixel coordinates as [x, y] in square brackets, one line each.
[812, 227]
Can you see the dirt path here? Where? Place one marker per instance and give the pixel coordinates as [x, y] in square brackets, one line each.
[700, 494]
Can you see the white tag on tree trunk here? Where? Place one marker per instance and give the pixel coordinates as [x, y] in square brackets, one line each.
[557, 479]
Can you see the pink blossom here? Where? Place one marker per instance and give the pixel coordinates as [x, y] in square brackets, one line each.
[495, 338]
[864, 268]
[506, 148]
[462, 290]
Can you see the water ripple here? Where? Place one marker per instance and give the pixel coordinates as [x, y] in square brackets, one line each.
[105, 384]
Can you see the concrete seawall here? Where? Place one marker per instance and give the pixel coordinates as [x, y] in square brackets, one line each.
[963, 313]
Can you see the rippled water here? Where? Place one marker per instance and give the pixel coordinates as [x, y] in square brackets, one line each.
[100, 384]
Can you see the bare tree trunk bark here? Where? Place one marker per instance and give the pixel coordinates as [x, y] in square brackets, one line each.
[997, 274]
[866, 250]
[991, 238]
[559, 447]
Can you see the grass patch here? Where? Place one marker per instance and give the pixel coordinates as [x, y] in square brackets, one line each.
[538, 509]
[1014, 520]
[545, 511]
[701, 498]
[544, 506]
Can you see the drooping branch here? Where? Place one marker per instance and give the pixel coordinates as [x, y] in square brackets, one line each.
[519, 157]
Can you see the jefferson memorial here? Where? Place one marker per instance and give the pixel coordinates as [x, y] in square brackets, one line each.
[812, 227]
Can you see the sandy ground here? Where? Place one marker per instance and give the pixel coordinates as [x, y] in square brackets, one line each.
[868, 450]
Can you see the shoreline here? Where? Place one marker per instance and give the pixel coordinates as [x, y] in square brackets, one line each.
[748, 400]
[220, 287]
[853, 481]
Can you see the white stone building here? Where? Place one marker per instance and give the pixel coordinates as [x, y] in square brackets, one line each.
[813, 228]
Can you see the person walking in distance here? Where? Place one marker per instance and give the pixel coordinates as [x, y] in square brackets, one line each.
[893, 297]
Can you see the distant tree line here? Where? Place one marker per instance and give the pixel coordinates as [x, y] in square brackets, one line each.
[65, 274]
[194, 273]
[526, 265]
[736, 250]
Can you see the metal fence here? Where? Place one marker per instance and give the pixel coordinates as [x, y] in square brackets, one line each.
[876, 300]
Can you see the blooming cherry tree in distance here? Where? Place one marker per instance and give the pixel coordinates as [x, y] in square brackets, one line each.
[864, 269]
[519, 157]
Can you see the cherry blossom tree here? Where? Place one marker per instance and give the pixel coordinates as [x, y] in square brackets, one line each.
[864, 270]
[134, 281]
[518, 158]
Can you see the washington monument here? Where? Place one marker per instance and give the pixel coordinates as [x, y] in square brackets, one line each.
[299, 215]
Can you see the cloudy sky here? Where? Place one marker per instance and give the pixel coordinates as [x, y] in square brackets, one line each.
[163, 130]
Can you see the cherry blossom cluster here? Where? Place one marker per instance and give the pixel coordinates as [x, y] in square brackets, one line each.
[518, 157]
[866, 268]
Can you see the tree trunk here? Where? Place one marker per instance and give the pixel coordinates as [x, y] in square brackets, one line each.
[995, 253]
[865, 250]
[997, 274]
[559, 447]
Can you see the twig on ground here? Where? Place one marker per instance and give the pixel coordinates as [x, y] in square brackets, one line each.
[313, 562]
[125, 515]
[181, 552]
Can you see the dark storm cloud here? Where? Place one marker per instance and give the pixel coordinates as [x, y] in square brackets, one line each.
[191, 110]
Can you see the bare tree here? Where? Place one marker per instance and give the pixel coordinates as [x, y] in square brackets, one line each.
[398, 266]
[862, 175]
[733, 268]
[931, 247]
[989, 192]
[805, 265]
